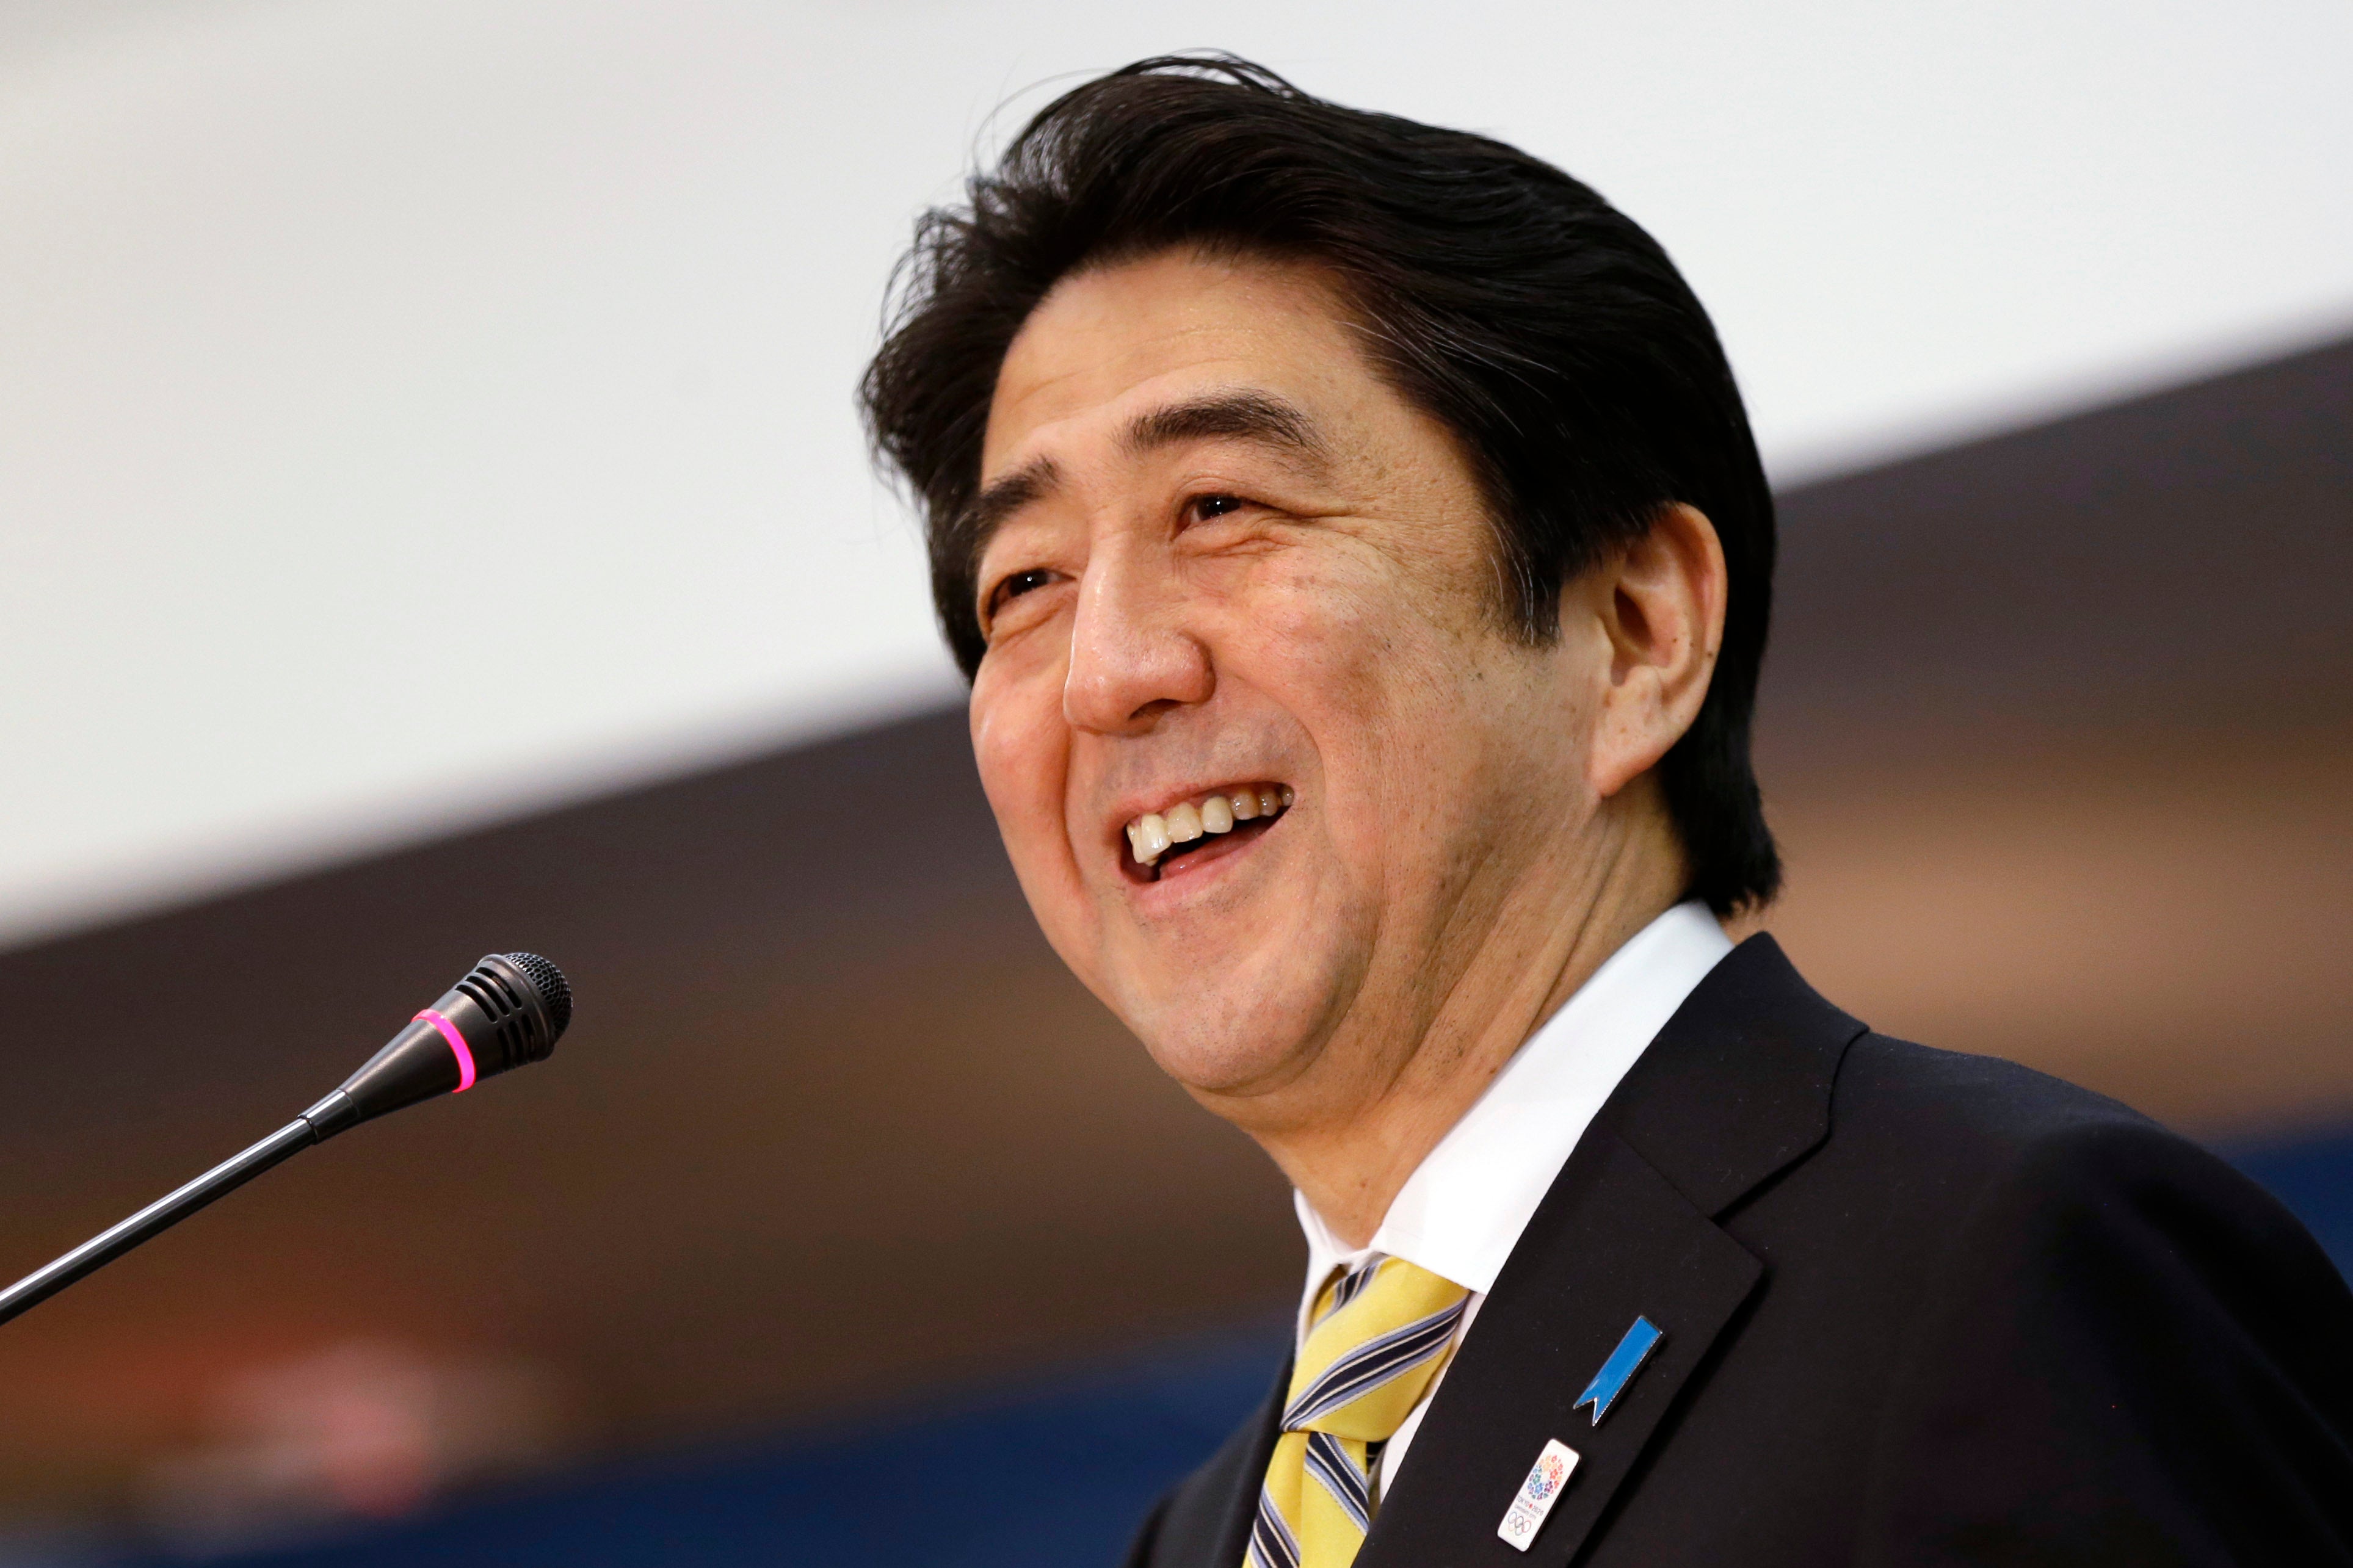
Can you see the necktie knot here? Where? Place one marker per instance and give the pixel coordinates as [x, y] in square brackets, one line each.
[1378, 1338]
[1379, 1335]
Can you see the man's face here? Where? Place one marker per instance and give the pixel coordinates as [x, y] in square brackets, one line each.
[1231, 568]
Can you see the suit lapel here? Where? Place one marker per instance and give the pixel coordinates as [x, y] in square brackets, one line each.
[1622, 1242]
[1735, 1089]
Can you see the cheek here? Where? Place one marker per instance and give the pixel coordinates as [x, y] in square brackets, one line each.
[1419, 725]
[1020, 746]
[1008, 746]
[1355, 655]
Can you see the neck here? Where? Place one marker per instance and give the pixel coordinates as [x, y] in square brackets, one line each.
[1352, 1153]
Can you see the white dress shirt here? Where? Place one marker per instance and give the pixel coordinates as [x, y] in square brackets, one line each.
[1461, 1211]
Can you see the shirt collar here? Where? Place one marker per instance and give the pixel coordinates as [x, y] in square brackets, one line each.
[1461, 1211]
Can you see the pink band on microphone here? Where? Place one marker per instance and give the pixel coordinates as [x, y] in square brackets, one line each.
[458, 1044]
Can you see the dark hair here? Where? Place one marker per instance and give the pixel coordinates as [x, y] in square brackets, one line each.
[1502, 297]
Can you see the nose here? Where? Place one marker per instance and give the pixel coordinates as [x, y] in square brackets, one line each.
[1131, 657]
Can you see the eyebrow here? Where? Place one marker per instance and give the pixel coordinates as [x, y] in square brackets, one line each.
[1001, 499]
[1246, 415]
[1225, 415]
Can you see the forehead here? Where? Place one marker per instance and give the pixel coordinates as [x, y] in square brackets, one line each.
[1108, 344]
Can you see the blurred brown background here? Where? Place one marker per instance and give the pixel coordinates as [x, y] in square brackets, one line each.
[2056, 735]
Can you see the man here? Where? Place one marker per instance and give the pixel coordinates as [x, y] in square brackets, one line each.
[1356, 544]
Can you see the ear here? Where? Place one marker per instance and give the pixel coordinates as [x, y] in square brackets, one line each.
[1660, 605]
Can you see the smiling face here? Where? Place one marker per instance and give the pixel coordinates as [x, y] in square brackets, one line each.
[1241, 597]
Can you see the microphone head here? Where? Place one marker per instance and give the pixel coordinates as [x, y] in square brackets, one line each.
[510, 1008]
[522, 1006]
[555, 991]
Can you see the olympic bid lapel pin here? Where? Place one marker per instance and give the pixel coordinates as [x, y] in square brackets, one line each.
[1533, 1502]
[1536, 1495]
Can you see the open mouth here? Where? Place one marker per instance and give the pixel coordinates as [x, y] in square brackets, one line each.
[1204, 827]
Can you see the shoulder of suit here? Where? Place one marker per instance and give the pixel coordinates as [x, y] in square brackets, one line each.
[1967, 1126]
[1951, 1095]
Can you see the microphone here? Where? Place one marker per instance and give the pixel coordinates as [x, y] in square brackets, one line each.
[510, 1008]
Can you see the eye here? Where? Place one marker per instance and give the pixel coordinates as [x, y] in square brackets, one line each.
[1012, 587]
[1202, 509]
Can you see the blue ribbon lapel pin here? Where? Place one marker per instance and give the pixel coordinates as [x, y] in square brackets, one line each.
[1619, 1369]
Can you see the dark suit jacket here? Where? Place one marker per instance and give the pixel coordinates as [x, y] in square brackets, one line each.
[1919, 1309]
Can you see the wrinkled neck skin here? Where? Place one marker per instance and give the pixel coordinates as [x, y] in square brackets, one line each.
[1399, 1066]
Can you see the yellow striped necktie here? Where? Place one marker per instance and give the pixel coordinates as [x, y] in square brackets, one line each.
[1380, 1334]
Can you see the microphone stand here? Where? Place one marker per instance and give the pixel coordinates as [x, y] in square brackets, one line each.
[157, 1218]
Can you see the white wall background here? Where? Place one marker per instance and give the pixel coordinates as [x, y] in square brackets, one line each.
[416, 410]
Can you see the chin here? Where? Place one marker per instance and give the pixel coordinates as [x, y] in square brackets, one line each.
[1232, 1000]
[1234, 1042]
[1223, 1068]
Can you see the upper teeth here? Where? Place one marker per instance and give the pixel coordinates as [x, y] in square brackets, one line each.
[1150, 836]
